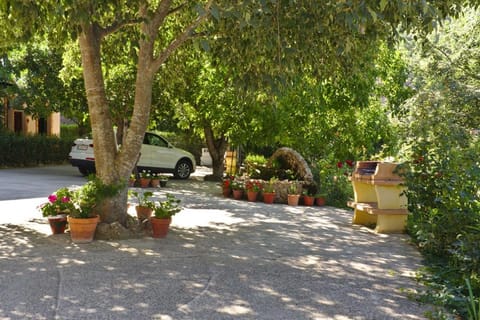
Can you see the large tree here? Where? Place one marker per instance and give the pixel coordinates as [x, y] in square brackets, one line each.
[267, 39]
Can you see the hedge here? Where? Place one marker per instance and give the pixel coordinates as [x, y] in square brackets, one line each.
[25, 150]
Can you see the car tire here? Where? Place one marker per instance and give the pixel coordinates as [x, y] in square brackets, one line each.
[84, 171]
[183, 169]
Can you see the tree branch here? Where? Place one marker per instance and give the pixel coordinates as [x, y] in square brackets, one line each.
[117, 25]
[182, 38]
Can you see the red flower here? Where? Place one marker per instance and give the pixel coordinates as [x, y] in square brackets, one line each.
[65, 199]
[339, 164]
[349, 163]
[52, 198]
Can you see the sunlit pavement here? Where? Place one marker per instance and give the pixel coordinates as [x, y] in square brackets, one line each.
[223, 259]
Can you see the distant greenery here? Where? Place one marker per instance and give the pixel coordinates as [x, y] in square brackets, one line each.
[21, 150]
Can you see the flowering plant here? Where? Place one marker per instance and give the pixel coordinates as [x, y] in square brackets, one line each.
[237, 185]
[58, 203]
[269, 187]
[146, 174]
[227, 182]
[253, 185]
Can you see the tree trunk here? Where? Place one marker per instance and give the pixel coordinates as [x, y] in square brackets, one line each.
[216, 148]
[105, 149]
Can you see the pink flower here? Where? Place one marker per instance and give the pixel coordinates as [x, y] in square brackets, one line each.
[52, 198]
[339, 164]
[65, 199]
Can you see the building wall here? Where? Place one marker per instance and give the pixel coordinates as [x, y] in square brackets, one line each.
[18, 121]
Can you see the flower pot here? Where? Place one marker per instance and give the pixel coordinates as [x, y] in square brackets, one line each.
[82, 230]
[308, 201]
[252, 196]
[58, 223]
[226, 192]
[293, 199]
[155, 183]
[160, 227]
[237, 194]
[145, 182]
[320, 201]
[163, 183]
[268, 197]
[131, 182]
[143, 212]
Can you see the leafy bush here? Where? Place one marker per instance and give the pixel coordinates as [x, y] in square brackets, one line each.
[21, 150]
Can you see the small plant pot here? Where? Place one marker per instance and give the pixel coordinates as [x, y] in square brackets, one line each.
[293, 199]
[83, 230]
[237, 194]
[58, 223]
[155, 183]
[320, 201]
[308, 201]
[143, 212]
[268, 197]
[163, 183]
[160, 227]
[226, 191]
[252, 196]
[144, 182]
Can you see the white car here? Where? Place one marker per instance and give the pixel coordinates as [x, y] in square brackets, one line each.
[156, 155]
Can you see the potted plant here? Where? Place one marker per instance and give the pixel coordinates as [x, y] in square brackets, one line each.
[83, 218]
[57, 208]
[320, 199]
[145, 178]
[144, 207]
[131, 180]
[308, 198]
[162, 215]
[155, 181]
[269, 191]
[163, 180]
[293, 194]
[227, 186]
[237, 189]
[253, 187]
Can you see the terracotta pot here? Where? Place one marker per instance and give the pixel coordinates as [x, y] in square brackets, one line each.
[83, 230]
[293, 199]
[144, 182]
[268, 197]
[237, 194]
[160, 227]
[58, 223]
[308, 201]
[252, 196]
[226, 192]
[143, 212]
[155, 183]
[320, 201]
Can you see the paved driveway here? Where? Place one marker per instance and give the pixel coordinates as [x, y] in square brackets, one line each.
[223, 259]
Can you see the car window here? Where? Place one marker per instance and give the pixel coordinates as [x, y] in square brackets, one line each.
[154, 140]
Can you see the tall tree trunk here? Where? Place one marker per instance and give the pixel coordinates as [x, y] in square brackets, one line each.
[101, 121]
[216, 148]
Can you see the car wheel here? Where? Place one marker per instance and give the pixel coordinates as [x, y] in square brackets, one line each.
[84, 171]
[183, 169]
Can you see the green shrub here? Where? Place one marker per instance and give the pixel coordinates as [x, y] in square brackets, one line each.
[21, 150]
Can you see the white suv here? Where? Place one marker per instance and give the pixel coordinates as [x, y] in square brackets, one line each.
[156, 155]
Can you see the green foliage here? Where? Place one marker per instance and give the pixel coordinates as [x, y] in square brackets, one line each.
[332, 181]
[59, 202]
[69, 131]
[143, 198]
[88, 197]
[441, 152]
[20, 150]
[167, 208]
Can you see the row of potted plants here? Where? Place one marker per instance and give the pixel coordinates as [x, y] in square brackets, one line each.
[233, 186]
[77, 208]
[159, 213]
[148, 179]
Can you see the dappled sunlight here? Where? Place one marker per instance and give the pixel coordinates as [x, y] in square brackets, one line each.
[221, 259]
